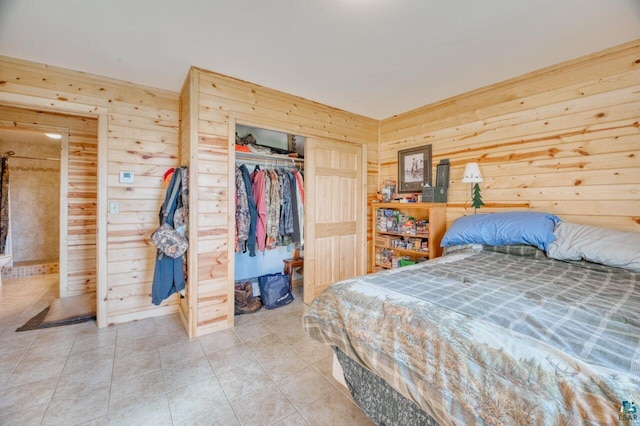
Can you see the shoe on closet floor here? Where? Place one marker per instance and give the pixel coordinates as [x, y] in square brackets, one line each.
[246, 302]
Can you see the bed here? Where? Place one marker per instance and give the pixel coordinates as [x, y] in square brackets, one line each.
[496, 331]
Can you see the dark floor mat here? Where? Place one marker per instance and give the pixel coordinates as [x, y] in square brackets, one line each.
[69, 310]
[34, 323]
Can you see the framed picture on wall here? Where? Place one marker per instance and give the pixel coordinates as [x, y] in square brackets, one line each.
[414, 168]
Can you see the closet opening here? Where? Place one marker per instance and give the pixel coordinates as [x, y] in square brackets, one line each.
[270, 240]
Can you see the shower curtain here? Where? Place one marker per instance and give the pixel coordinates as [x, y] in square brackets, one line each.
[4, 205]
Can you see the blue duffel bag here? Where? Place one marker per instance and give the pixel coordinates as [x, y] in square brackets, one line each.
[274, 290]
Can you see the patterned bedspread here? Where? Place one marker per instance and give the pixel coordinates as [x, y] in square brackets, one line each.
[494, 338]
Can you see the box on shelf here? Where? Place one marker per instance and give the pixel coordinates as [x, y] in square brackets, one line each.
[385, 240]
[410, 243]
[422, 227]
[384, 258]
[386, 220]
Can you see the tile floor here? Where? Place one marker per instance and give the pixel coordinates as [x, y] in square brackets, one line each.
[264, 371]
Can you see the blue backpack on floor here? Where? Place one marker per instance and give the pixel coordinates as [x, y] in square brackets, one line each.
[274, 290]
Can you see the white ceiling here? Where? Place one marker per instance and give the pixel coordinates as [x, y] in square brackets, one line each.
[10, 134]
[373, 57]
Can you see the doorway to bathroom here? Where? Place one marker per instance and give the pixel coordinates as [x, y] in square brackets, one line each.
[34, 215]
[53, 185]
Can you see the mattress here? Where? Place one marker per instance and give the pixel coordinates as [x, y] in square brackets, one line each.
[493, 337]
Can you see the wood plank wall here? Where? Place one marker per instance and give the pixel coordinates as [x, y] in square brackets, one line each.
[565, 139]
[142, 138]
[188, 157]
[81, 187]
[221, 100]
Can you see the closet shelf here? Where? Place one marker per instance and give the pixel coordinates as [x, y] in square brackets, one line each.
[268, 157]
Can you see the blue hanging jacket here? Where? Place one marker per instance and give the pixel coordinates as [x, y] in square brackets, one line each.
[168, 275]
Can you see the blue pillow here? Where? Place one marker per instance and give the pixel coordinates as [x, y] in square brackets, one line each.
[500, 229]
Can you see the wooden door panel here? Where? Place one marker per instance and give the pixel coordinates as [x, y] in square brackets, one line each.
[325, 264]
[336, 214]
[348, 161]
[347, 256]
[339, 264]
[346, 200]
[325, 209]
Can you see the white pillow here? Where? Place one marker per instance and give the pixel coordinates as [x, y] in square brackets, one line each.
[595, 244]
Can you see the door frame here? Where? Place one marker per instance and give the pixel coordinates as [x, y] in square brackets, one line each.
[99, 113]
[63, 259]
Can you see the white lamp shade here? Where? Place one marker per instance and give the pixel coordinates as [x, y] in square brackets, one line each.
[472, 173]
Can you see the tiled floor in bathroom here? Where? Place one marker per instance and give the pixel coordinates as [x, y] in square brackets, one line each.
[264, 371]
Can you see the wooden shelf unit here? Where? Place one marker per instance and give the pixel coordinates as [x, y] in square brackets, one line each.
[434, 213]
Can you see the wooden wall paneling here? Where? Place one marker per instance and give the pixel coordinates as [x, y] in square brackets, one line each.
[533, 136]
[223, 101]
[148, 146]
[374, 184]
[188, 157]
[228, 300]
[564, 139]
[132, 149]
[599, 72]
[152, 164]
[141, 126]
[484, 126]
[226, 87]
[84, 88]
[137, 313]
[102, 306]
[289, 113]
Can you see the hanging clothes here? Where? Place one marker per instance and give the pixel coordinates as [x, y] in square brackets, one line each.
[251, 241]
[295, 230]
[278, 197]
[298, 234]
[286, 211]
[4, 204]
[299, 184]
[243, 217]
[273, 209]
[184, 195]
[259, 196]
[168, 275]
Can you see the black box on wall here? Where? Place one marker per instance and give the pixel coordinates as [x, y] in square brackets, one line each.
[434, 194]
[438, 193]
[442, 173]
[427, 194]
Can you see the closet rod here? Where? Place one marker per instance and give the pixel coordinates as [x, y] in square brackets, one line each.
[269, 164]
[272, 161]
